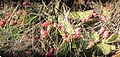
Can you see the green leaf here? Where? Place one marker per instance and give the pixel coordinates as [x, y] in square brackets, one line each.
[80, 14]
[8, 28]
[112, 38]
[105, 48]
[0, 27]
[68, 28]
[74, 46]
[66, 25]
[56, 6]
[30, 20]
[90, 22]
[95, 36]
[60, 19]
[63, 49]
[106, 12]
[83, 43]
[15, 30]
[113, 47]
[54, 20]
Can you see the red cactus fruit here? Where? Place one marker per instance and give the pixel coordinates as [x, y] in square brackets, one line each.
[67, 39]
[85, 19]
[44, 34]
[101, 31]
[65, 35]
[4, 21]
[110, 7]
[47, 23]
[77, 29]
[26, 2]
[76, 36]
[12, 23]
[103, 18]
[1, 23]
[28, 52]
[106, 35]
[95, 14]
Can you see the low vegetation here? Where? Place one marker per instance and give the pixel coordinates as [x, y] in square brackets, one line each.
[34, 29]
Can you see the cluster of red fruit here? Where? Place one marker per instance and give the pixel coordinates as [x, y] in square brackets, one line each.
[46, 24]
[94, 14]
[65, 36]
[12, 22]
[28, 52]
[76, 35]
[104, 32]
[25, 2]
[110, 7]
[103, 18]
[85, 19]
[3, 22]
[44, 34]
